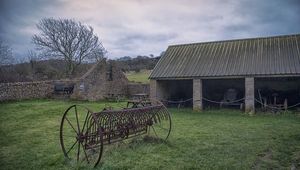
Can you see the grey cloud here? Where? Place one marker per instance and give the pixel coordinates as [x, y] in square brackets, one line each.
[142, 27]
[270, 17]
[132, 37]
[18, 19]
[239, 27]
[133, 43]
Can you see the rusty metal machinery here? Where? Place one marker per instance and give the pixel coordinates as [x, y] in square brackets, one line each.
[83, 133]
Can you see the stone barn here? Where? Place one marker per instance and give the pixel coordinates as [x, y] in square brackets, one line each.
[250, 72]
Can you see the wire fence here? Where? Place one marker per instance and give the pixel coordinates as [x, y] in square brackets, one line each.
[181, 102]
[203, 98]
[223, 102]
[274, 107]
[226, 102]
[178, 101]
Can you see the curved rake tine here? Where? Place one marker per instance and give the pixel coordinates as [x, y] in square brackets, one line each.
[86, 117]
[163, 128]
[154, 131]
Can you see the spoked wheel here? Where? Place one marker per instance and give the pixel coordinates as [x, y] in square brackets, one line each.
[80, 137]
[161, 124]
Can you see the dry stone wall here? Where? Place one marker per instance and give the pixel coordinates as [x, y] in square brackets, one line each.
[25, 90]
[29, 90]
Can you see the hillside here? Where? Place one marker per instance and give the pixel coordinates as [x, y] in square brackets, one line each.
[38, 70]
[137, 69]
[138, 63]
[138, 77]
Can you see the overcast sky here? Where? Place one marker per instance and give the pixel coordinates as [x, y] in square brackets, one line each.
[143, 27]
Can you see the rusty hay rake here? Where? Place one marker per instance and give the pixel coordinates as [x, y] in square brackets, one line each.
[83, 133]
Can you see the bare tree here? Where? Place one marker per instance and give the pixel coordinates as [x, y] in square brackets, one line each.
[70, 40]
[33, 57]
[6, 56]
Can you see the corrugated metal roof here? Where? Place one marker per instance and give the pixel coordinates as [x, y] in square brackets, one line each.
[257, 56]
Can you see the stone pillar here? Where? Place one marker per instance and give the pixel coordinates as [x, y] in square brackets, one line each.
[157, 89]
[153, 89]
[197, 94]
[249, 95]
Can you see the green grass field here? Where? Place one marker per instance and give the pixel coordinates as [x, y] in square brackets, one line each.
[216, 139]
[139, 77]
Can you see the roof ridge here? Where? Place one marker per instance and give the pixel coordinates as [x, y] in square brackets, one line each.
[238, 39]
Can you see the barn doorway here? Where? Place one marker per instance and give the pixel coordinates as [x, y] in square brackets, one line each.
[174, 91]
[277, 91]
[222, 93]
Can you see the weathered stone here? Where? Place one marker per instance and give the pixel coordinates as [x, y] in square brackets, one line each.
[103, 80]
[96, 84]
[249, 95]
[153, 89]
[25, 90]
[197, 94]
[158, 90]
[135, 88]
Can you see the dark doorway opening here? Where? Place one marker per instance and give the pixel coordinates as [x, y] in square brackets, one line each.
[276, 91]
[175, 91]
[219, 93]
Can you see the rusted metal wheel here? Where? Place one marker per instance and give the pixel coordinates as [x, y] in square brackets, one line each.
[81, 137]
[161, 123]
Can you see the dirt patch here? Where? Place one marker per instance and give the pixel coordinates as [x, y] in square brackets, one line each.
[264, 157]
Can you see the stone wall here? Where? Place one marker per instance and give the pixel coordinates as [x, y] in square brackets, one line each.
[159, 89]
[29, 90]
[25, 90]
[135, 88]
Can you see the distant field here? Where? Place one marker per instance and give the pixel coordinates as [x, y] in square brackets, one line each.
[140, 77]
[213, 139]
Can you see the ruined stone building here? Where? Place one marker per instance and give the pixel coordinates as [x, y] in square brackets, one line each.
[257, 68]
[103, 80]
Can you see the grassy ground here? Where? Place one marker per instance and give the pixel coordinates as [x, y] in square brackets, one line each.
[140, 77]
[220, 139]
